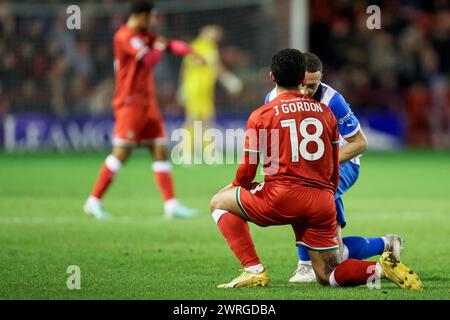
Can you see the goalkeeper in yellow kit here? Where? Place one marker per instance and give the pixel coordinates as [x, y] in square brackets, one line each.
[198, 80]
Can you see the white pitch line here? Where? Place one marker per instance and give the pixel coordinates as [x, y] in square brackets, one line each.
[70, 220]
[407, 216]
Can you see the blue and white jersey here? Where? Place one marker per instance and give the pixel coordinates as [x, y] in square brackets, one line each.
[348, 124]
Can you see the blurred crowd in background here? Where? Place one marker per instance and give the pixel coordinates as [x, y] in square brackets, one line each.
[403, 68]
[44, 67]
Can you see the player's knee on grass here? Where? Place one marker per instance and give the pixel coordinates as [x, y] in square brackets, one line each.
[321, 277]
[341, 244]
[323, 264]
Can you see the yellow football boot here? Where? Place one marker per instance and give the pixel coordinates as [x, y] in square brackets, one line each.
[247, 279]
[398, 273]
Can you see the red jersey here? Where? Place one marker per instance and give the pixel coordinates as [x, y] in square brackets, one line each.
[298, 140]
[134, 80]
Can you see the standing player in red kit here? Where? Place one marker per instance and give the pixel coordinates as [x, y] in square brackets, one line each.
[299, 140]
[138, 121]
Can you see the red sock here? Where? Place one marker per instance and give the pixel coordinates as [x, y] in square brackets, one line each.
[237, 234]
[104, 179]
[106, 176]
[163, 178]
[352, 273]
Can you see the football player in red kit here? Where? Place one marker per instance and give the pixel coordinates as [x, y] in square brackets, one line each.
[298, 139]
[138, 120]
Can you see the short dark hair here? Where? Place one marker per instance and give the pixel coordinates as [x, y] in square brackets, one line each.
[288, 67]
[312, 62]
[141, 6]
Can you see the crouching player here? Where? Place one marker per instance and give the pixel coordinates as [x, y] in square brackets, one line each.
[300, 141]
[353, 143]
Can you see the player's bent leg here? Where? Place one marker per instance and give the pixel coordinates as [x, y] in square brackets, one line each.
[349, 273]
[109, 169]
[398, 273]
[362, 248]
[163, 176]
[158, 149]
[323, 263]
[232, 224]
[162, 171]
[353, 272]
[305, 271]
[393, 243]
[122, 153]
[341, 243]
[226, 200]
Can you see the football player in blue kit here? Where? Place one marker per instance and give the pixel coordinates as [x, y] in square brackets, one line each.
[352, 144]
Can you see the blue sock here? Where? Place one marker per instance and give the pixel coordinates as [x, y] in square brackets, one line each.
[303, 254]
[362, 248]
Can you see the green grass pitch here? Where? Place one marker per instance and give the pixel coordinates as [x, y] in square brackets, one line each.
[140, 255]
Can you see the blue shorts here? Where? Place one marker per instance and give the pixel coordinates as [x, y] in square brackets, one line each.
[349, 173]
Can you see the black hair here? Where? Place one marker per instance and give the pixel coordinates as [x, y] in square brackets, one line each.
[312, 62]
[141, 6]
[288, 67]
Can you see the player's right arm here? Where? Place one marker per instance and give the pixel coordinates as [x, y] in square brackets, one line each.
[232, 83]
[356, 145]
[336, 159]
[350, 129]
[247, 169]
[135, 47]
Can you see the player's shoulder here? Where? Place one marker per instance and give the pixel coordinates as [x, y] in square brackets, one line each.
[151, 35]
[123, 36]
[200, 42]
[324, 108]
[271, 95]
[332, 98]
[122, 32]
[256, 114]
[305, 104]
[262, 110]
[125, 33]
[325, 113]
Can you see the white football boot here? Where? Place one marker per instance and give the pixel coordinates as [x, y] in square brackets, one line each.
[94, 208]
[174, 209]
[393, 243]
[251, 277]
[304, 273]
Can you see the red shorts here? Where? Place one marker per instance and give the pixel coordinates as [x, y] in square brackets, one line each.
[136, 126]
[310, 211]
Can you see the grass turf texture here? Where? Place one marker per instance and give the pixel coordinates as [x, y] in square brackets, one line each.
[140, 255]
